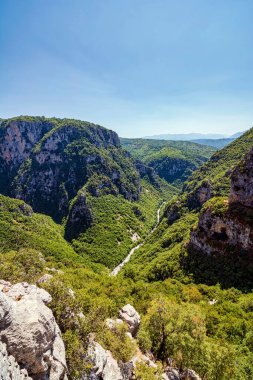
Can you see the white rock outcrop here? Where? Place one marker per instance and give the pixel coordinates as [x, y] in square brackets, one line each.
[171, 374]
[104, 365]
[174, 374]
[189, 374]
[30, 332]
[129, 315]
[45, 278]
[9, 368]
[113, 324]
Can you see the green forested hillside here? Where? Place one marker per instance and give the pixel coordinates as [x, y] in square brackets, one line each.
[77, 173]
[20, 227]
[160, 257]
[119, 224]
[218, 169]
[47, 161]
[202, 327]
[163, 254]
[172, 160]
[213, 338]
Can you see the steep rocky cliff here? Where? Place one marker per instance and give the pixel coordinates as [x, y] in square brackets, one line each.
[17, 139]
[241, 192]
[224, 236]
[47, 161]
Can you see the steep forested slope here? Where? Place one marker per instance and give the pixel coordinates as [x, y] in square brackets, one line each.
[165, 254]
[20, 227]
[216, 172]
[47, 161]
[172, 160]
[78, 173]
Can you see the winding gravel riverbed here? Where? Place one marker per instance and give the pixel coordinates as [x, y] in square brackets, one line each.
[116, 270]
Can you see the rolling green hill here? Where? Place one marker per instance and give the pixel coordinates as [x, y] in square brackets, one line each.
[172, 160]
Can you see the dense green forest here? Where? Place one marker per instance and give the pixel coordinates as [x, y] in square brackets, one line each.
[172, 160]
[203, 325]
[161, 256]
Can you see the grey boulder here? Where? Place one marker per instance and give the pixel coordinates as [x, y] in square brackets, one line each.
[132, 318]
[30, 331]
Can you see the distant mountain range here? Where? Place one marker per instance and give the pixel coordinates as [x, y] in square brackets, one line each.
[193, 136]
[236, 135]
[216, 143]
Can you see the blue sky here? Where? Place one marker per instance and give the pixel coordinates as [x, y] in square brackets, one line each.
[140, 67]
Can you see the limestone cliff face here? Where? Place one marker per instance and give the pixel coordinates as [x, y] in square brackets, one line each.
[46, 162]
[31, 336]
[199, 196]
[9, 368]
[17, 139]
[223, 238]
[242, 183]
[79, 217]
[222, 233]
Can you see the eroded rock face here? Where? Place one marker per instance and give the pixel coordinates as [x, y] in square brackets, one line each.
[189, 374]
[175, 374]
[45, 278]
[9, 368]
[129, 315]
[105, 367]
[220, 233]
[171, 374]
[225, 232]
[242, 183]
[198, 197]
[146, 170]
[173, 168]
[173, 212]
[79, 218]
[30, 332]
[17, 138]
[46, 162]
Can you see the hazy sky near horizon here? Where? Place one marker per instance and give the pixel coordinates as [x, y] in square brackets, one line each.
[139, 67]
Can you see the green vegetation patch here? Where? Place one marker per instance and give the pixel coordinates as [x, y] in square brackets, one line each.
[218, 169]
[161, 255]
[172, 160]
[21, 228]
[217, 205]
[119, 224]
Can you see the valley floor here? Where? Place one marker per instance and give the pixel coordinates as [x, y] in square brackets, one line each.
[116, 270]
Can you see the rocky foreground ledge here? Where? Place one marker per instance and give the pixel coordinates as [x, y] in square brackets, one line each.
[31, 346]
[31, 335]
[9, 368]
